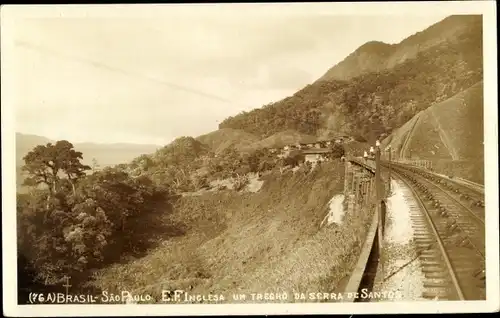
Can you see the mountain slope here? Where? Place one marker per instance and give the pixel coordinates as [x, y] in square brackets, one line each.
[449, 133]
[281, 139]
[376, 56]
[222, 139]
[370, 57]
[426, 68]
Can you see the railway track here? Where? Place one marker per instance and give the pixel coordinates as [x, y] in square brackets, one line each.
[449, 236]
[468, 194]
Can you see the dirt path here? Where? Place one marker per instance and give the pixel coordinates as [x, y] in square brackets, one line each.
[444, 138]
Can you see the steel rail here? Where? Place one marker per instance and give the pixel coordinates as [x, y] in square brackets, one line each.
[432, 226]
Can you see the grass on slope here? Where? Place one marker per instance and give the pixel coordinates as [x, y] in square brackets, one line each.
[226, 137]
[425, 141]
[282, 139]
[251, 242]
[398, 137]
[461, 117]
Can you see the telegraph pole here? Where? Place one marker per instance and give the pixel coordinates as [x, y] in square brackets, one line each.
[378, 184]
[378, 195]
[389, 172]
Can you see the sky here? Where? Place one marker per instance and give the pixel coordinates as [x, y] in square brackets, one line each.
[151, 78]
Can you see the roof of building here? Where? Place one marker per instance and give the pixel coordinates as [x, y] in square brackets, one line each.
[316, 151]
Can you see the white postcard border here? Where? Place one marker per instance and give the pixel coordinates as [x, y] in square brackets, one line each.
[486, 8]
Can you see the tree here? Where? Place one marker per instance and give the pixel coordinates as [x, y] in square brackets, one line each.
[338, 151]
[69, 161]
[294, 159]
[44, 163]
[109, 214]
[41, 167]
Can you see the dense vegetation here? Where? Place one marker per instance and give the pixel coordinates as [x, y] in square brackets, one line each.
[374, 103]
[72, 222]
[188, 165]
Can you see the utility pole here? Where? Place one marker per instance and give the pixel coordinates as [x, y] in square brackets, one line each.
[378, 195]
[389, 172]
[378, 183]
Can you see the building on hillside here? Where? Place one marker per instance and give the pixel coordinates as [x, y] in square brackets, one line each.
[315, 157]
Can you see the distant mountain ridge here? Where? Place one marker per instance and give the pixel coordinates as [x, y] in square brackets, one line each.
[105, 154]
[375, 56]
[378, 87]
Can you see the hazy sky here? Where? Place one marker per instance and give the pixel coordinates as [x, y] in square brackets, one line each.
[149, 80]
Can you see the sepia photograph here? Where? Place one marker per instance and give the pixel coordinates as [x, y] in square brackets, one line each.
[253, 158]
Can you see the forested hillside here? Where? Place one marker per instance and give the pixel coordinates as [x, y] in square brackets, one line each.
[378, 100]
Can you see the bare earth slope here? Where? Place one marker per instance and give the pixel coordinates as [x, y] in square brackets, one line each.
[449, 133]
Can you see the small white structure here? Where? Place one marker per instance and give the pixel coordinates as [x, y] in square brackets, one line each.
[314, 157]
